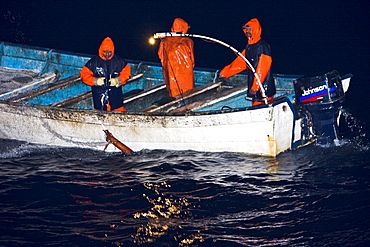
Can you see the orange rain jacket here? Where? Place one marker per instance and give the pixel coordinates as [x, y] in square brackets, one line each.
[177, 58]
[258, 53]
[112, 67]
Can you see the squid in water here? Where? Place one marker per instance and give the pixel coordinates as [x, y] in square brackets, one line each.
[111, 139]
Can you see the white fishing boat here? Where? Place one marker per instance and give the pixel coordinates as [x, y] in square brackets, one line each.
[50, 105]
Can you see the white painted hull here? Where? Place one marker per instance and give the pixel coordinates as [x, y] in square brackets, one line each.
[264, 131]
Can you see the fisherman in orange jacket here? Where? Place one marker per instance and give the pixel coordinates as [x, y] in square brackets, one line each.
[106, 73]
[177, 58]
[258, 53]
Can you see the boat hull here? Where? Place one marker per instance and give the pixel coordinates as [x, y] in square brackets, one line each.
[261, 131]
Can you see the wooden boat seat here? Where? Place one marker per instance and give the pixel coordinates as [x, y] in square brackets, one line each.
[15, 82]
[211, 99]
[45, 89]
[145, 97]
[195, 94]
[87, 94]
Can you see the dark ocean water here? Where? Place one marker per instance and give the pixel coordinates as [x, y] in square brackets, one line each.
[313, 196]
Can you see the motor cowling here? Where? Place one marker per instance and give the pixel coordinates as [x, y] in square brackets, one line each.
[322, 96]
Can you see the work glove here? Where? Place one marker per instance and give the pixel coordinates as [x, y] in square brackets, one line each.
[99, 81]
[220, 77]
[251, 95]
[114, 82]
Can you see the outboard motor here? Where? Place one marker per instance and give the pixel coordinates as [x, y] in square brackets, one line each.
[322, 97]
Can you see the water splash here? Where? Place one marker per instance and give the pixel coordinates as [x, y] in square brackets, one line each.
[16, 24]
[12, 149]
[353, 130]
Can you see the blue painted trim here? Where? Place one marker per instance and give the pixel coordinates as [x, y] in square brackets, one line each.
[47, 62]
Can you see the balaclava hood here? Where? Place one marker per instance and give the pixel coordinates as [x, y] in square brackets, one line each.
[255, 25]
[106, 45]
[179, 25]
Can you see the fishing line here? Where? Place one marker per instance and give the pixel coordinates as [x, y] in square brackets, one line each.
[104, 129]
[110, 139]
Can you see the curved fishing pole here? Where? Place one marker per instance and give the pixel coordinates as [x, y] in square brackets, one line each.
[180, 34]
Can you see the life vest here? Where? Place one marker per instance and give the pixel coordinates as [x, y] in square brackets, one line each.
[254, 53]
[108, 69]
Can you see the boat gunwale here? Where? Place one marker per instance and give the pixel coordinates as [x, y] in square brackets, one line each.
[151, 114]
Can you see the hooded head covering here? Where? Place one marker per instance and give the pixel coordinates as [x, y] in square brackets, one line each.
[106, 45]
[255, 25]
[179, 25]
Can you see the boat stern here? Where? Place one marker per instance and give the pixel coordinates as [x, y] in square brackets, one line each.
[319, 100]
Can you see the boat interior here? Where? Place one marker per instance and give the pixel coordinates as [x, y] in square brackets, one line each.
[145, 92]
[213, 95]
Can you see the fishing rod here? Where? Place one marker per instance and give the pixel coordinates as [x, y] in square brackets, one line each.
[180, 34]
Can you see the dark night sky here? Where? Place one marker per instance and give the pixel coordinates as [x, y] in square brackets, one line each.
[306, 37]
